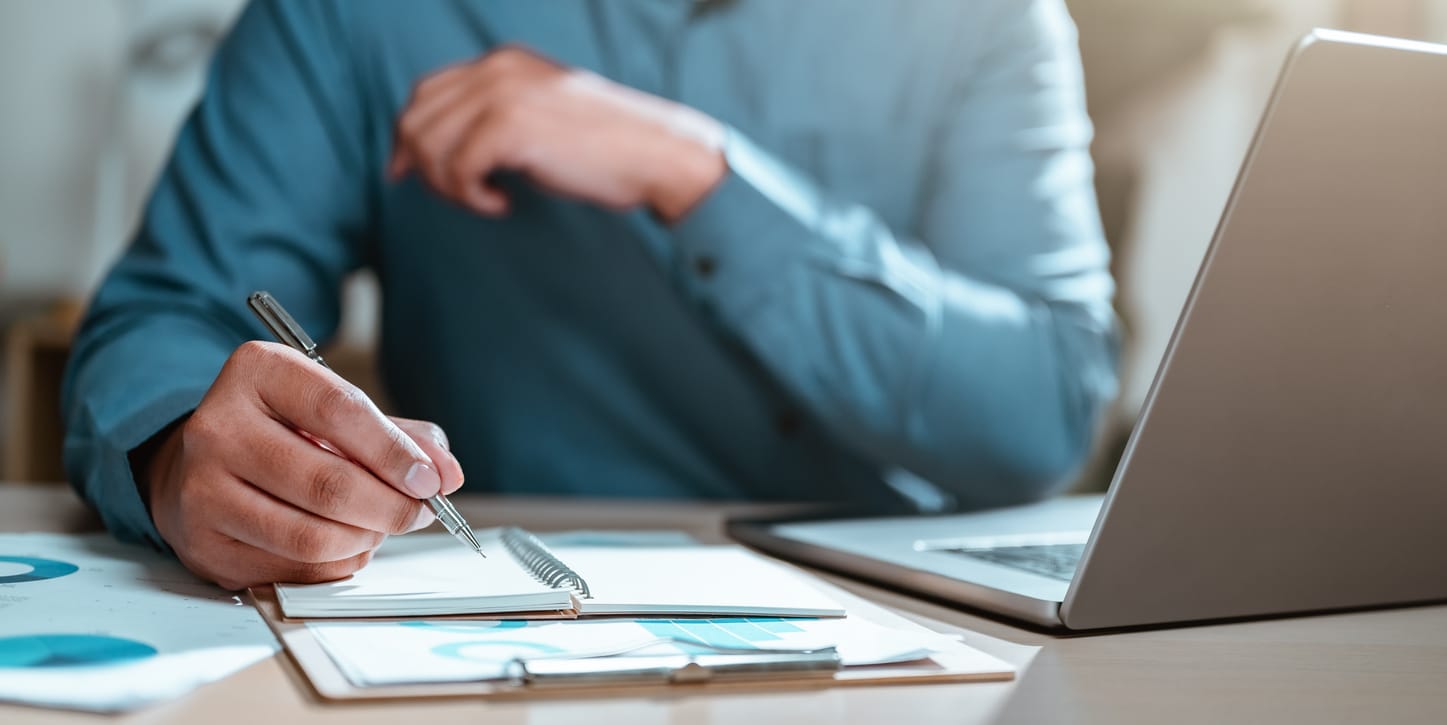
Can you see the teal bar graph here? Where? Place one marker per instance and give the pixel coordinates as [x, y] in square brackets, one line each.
[720, 632]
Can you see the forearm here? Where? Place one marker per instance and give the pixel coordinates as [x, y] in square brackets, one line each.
[960, 380]
[229, 215]
[130, 376]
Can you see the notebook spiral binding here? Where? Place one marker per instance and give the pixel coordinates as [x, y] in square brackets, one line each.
[544, 565]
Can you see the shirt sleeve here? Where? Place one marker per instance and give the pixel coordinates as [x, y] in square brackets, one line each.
[977, 355]
[264, 190]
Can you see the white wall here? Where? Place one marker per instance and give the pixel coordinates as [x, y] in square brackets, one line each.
[91, 93]
[1188, 139]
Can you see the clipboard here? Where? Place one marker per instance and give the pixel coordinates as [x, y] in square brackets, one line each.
[965, 664]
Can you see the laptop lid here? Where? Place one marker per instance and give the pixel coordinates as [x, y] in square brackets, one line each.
[1292, 454]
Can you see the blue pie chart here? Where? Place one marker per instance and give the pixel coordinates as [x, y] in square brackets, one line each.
[69, 650]
[40, 569]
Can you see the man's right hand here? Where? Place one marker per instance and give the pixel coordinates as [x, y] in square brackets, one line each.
[245, 495]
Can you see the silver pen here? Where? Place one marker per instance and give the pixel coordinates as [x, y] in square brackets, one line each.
[286, 330]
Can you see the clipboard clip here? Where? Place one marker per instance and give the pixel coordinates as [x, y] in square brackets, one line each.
[669, 669]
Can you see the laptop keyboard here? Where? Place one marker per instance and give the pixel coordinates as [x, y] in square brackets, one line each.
[1056, 561]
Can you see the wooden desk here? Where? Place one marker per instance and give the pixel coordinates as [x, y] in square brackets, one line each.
[1388, 666]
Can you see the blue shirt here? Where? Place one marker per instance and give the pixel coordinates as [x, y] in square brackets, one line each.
[901, 279]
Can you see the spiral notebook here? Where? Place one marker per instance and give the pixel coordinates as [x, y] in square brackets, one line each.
[431, 575]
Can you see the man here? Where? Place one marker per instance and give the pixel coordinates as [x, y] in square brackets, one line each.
[760, 250]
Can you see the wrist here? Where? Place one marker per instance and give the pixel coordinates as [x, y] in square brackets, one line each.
[152, 461]
[689, 166]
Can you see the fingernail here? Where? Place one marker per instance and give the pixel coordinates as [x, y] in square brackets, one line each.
[422, 481]
[424, 519]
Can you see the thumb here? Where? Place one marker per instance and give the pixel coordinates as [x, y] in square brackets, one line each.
[433, 441]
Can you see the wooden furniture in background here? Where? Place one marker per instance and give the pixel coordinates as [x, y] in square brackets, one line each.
[36, 350]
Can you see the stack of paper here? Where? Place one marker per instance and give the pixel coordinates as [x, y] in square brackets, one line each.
[391, 653]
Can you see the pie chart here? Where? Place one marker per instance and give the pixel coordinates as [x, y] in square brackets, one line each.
[21, 569]
[69, 650]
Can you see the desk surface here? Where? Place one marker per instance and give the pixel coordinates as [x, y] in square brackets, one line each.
[1388, 666]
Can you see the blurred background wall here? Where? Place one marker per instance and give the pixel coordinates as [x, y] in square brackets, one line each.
[92, 91]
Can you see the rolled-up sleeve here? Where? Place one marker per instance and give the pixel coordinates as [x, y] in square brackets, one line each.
[264, 190]
[975, 350]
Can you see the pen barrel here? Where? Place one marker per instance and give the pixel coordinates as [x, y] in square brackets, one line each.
[445, 516]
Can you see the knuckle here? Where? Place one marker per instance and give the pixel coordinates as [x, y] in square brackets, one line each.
[226, 580]
[310, 573]
[315, 572]
[409, 126]
[192, 496]
[336, 403]
[437, 178]
[510, 90]
[429, 83]
[252, 363]
[402, 518]
[234, 582]
[430, 150]
[201, 428]
[227, 583]
[468, 161]
[251, 350]
[506, 57]
[278, 447]
[330, 488]
[311, 543]
[461, 173]
[207, 563]
[397, 452]
[255, 355]
[508, 116]
[435, 432]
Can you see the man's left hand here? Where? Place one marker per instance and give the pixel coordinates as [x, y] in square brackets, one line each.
[571, 132]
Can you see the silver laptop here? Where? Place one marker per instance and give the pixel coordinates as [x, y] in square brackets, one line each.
[1292, 453]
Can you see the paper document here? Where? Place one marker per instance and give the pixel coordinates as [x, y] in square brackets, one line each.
[390, 653]
[87, 623]
[424, 575]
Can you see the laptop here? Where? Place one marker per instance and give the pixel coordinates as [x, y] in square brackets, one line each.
[1291, 455]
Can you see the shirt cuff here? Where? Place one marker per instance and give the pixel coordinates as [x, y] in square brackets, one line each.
[737, 244]
[108, 482]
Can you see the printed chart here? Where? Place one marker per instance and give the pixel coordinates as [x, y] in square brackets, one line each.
[732, 633]
[385, 653]
[21, 569]
[70, 650]
[88, 623]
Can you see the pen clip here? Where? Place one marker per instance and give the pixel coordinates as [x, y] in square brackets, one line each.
[282, 325]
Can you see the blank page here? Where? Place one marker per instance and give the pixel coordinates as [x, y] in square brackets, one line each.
[685, 580]
[427, 574]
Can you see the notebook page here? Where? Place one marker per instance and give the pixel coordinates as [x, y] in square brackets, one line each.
[427, 574]
[689, 580]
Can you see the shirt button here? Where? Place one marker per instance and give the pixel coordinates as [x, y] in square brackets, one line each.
[705, 266]
[789, 423]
